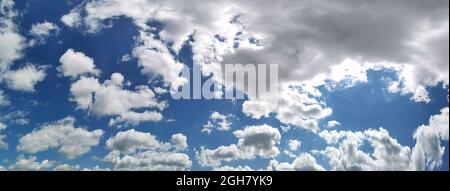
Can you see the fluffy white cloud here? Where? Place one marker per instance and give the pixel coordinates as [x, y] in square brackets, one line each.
[218, 121]
[233, 169]
[132, 150]
[179, 141]
[74, 64]
[387, 154]
[304, 162]
[428, 152]
[333, 124]
[295, 107]
[301, 47]
[71, 142]
[82, 92]
[152, 161]
[72, 19]
[111, 99]
[253, 141]
[259, 140]
[294, 145]
[11, 42]
[4, 101]
[155, 60]
[214, 157]
[131, 141]
[24, 79]
[3, 144]
[30, 164]
[66, 167]
[41, 31]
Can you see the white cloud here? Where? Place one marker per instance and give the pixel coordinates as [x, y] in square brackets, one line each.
[71, 142]
[428, 152]
[214, 158]
[3, 144]
[24, 79]
[82, 92]
[218, 121]
[137, 151]
[30, 164]
[295, 107]
[152, 161]
[333, 124]
[304, 162]
[74, 64]
[388, 154]
[233, 169]
[72, 19]
[4, 101]
[11, 42]
[111, 99]
[41, 31]
[302, 47]
[66, 167]
[259, 140]
[253, 141]
[294, 145]
[155, 60]
[131, 141]
[179, 141]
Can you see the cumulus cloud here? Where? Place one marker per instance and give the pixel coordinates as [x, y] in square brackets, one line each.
[296, 107]
[66, 167]
[259, 140]
[112, 99]
[179, 141]
[11, 42]
[233, 169]
[24, 79]
[131, 141]
[302, 48]
[137, 151]
[294, 145]
[74, 64]
[253, 141]
[218, 121]
[304, 162]
[3, 144]
[428, 151]
[31, 164]
[333, 124]
[4, 101]
[41, 31]
[388, 154]
[70, 141]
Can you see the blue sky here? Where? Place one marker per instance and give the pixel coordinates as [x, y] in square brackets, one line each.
[365, 104]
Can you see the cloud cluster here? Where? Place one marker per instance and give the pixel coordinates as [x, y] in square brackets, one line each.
[12, 45]
[218, 121]
[387, 154]
[3, 143]
[74, 64]
[70, 141]
[253, 141]
[133, 150]
[41, 31]
[296, 107]
[110, 98]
